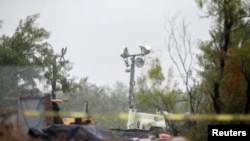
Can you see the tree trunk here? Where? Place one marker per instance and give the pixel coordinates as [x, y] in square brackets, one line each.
[172, 127]
[175, 132]
[216, 98]
[224, 44]
[248, 98]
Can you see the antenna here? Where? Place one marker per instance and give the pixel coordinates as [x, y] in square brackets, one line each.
[64, 51]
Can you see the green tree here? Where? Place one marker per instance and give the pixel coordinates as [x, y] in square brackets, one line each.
[155, 91]
[21, 58]
[57, 74]
[25, 58]
[222, 60]
[23, 54]
[238, 75]
[228, 16]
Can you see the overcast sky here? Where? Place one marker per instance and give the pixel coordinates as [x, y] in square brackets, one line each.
[95, 31]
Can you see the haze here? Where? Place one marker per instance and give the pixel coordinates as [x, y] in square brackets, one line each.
[95, 31]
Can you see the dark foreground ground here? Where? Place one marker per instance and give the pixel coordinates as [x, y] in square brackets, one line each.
[91, 133]
[134, 134]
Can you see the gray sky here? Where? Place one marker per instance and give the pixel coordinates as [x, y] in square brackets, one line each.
[95, 31]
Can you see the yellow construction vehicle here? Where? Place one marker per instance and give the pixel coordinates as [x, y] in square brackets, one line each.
[67, 121]
[83, 121]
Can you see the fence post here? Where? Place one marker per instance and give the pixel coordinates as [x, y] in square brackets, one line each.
[48, 107]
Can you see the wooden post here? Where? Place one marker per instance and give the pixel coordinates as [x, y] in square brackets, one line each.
[48, 107]
[78, 121]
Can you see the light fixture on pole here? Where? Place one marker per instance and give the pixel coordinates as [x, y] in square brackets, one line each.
[145, 49]
[136, 59]
[139, 62]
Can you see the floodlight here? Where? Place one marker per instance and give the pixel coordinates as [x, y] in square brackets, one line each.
[145, 49]
[126, 62]
[124, 53]
[127, 70]
[139, 62]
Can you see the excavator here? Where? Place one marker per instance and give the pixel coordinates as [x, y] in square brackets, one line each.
[69, 120]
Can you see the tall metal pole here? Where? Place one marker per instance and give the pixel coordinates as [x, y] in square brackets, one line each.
[87, 106]
[54, 72]
[131, 83]
[125, 54]
[54, 79]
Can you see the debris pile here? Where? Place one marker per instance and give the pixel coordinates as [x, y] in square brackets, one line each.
[133, 133]
[137, 135]
[70, 132]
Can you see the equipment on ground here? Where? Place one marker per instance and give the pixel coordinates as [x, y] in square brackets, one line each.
[145, 121]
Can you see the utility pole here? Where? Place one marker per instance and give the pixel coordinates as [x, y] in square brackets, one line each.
[132, 83]
[54, 78]
[55, 72]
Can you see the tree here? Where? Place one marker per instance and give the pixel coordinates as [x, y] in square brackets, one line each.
[180, 48]
[238, 72]
[57, 73]
[22, 55]
[154, 93]
[21, 58]
[246, 74]
[222, 60]
[25, 58]
[229, 16]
